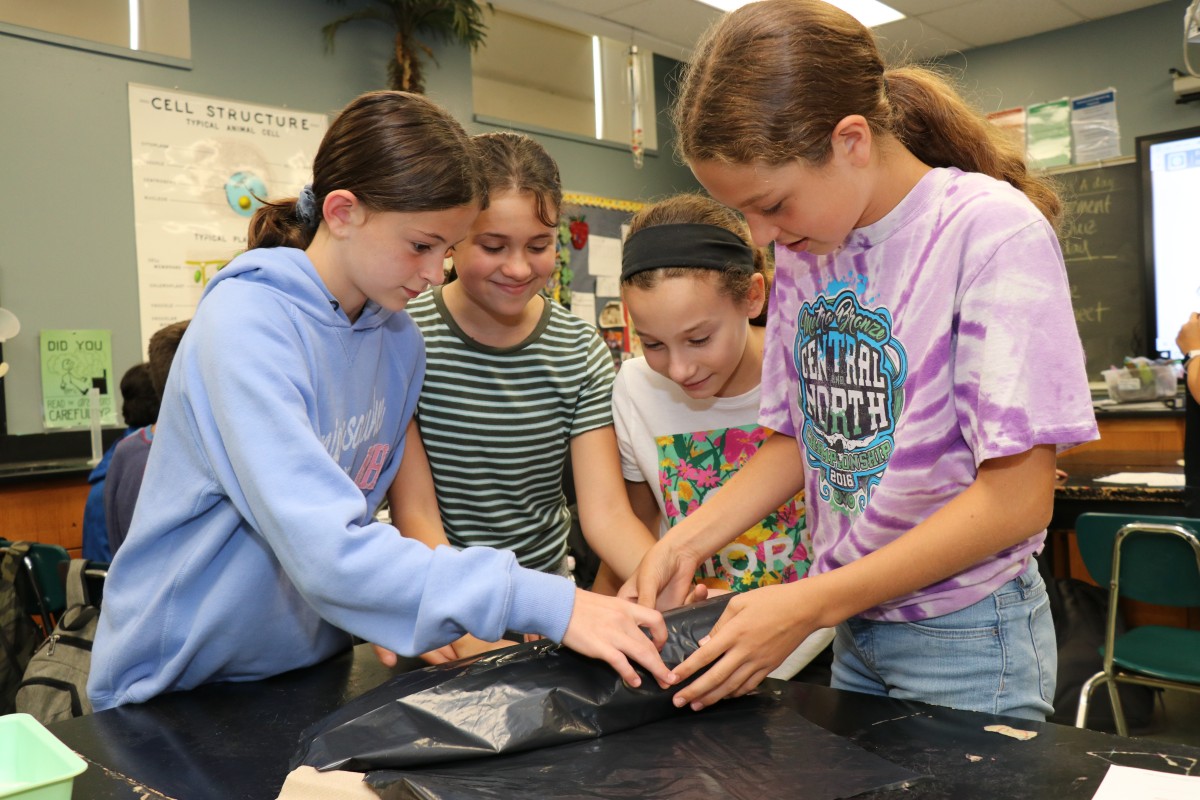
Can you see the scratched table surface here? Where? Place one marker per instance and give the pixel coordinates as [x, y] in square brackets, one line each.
[231, 741]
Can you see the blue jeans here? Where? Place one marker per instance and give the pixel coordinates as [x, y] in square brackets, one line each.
[998, 655]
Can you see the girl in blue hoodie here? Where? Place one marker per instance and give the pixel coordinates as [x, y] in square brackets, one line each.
[253, 548]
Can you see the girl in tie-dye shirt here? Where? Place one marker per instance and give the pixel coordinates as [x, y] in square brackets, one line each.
[921, 368]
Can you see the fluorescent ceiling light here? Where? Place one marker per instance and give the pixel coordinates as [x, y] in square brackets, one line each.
[598, 86]
[135, 16]
[868, 12]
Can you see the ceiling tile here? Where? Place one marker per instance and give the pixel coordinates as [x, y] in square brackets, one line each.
[680, 21]
[598, 7]
[933, 26]
[982, 22]
[1098, 9]
[909, 40]
[913, 7]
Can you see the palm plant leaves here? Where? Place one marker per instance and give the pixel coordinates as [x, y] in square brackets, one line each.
[459, 21]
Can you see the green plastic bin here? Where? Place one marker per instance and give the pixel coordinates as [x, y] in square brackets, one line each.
[34, 765]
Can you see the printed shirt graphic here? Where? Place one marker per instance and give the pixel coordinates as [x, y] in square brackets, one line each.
[934, 339]
[692, 466]
[851, 393]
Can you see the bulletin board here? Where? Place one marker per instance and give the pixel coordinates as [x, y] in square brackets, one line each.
[588, 226]
[1101, 246]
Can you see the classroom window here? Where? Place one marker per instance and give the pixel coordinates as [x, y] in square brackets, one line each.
[534, 75]
[143, 26]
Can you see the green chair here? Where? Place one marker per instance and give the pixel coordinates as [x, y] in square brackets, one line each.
[1150, 559]
[49, 594]
[43, 561]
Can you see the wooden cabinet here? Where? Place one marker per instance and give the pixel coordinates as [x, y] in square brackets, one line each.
[45, 509]
[1147, 442]
[1154, 431]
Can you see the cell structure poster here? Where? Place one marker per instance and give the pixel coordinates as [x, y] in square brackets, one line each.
[201, 167]
[73, 363]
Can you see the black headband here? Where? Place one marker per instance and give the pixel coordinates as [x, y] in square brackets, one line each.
[685, 245]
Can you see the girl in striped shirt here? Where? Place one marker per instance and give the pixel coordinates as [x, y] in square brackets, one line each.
[514, 385]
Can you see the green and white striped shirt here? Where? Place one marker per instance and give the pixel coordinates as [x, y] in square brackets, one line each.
[497, 424]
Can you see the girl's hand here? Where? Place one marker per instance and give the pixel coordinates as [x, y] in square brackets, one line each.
[442, 655]
[385, 656]
[470, 645]
[439, 656]
[663, 579]
[610, 629]
[755, 634]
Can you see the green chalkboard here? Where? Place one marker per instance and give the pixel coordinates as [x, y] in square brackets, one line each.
[1100, 243]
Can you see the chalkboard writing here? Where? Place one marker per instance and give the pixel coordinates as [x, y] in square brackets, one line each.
[1100, 245]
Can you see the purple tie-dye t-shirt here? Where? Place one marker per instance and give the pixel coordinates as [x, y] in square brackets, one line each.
[934, 339]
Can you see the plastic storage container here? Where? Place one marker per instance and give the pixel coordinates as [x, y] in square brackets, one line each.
[34, 765]
[1141, 383]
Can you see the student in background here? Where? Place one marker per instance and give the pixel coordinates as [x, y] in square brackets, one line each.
[255, 550]
[129, 458]
[1188, 342]
[515, 384]
[921, 368]
[686, 413]
[139, 407]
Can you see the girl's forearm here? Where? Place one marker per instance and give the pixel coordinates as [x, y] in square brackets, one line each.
[1010, 500]
[609, 523]
[619, 538]
[412, 497]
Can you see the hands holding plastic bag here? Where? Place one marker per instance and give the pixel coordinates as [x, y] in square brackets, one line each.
[602, 627]
[538, 694]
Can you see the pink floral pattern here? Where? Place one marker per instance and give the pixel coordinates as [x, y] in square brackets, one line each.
[694, 465]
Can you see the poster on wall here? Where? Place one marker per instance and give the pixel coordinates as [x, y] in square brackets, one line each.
[1012, 122]
[1094, 126]
[1048, 134]
[201, 167]
[73, 363]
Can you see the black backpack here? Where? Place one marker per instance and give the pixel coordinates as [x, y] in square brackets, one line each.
[1080, 612]
[55, 681]
[18, 635]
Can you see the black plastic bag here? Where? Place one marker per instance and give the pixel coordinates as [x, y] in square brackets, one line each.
[749, 748]
[520, 698]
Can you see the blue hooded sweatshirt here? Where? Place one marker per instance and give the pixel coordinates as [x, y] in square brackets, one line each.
[253, 548]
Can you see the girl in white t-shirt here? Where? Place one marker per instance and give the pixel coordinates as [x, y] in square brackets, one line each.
[686, 412]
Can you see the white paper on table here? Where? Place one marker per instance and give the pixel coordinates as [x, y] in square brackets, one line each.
[604, 256]
[608, 286]
[1162, 479]
[1130, 783]
[583, 305]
